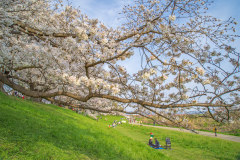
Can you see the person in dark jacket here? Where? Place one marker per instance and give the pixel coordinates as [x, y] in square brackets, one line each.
[150, 142]
[215, 130]
[156, 144]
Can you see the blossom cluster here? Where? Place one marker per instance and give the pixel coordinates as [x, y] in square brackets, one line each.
[185, 97]
[51, 43]
[147, 74]
[172, 18]
[207, 81]
[81, 33]
[94, 83]
[200, 71]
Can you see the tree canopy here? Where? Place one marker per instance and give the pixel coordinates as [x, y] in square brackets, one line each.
[53, 51]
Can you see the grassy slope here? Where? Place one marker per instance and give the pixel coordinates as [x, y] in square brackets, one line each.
[35, 131]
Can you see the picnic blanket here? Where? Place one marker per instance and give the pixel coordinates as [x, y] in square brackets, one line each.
[157, 148]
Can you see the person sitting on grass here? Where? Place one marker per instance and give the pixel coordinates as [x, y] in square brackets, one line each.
[150, 142]
[157, 145]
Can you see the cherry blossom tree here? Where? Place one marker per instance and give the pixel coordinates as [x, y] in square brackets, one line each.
[52, 51]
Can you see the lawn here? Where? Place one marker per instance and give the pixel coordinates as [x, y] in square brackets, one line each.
[30, 130]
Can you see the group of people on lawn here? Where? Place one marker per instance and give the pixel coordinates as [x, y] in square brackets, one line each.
[156, 145]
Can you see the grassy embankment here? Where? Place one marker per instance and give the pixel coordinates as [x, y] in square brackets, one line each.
[36, 131]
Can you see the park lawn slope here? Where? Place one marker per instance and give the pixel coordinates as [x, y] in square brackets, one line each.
[186, 145]
[31, 130]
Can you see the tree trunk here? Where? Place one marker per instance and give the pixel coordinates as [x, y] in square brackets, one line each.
[1, 88]
[39, 100]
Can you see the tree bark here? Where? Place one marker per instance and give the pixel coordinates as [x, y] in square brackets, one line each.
[1, 88]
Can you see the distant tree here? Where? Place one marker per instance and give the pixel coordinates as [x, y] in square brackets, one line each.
[54, 52]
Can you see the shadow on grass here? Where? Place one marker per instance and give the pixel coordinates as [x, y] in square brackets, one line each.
[238, 157]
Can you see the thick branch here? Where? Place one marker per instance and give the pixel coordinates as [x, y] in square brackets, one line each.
[35, 94]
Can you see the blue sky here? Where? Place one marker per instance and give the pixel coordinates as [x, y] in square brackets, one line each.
[107, 10]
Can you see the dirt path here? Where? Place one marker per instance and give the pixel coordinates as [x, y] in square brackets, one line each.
[209, 134]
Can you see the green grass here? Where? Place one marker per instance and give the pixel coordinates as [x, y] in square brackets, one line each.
[30, 130]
